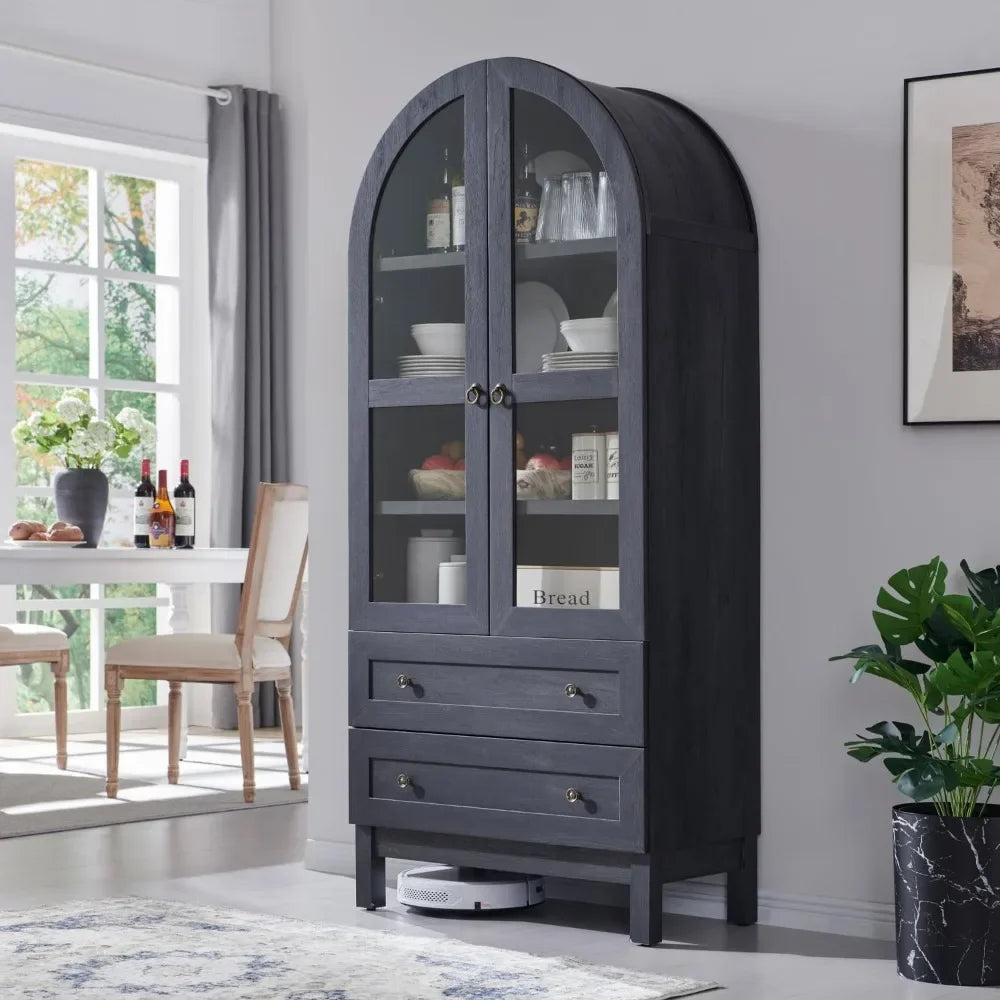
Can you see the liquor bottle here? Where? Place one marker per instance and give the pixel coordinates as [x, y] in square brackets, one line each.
[439, 213]
[141, 507]
[526, 196]
[184, 510]
[458, 208]
[161, 517]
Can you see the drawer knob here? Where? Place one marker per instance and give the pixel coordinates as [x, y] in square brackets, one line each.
[402, 681]
[572, 690]
[572, 795]
[403, 780]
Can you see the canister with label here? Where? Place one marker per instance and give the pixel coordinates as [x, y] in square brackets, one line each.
[612, 465]
[589, 465]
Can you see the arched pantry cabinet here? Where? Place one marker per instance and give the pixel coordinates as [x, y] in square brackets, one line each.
[554, 668]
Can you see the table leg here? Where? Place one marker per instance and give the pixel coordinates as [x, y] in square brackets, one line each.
[180, 621]
[304, 679]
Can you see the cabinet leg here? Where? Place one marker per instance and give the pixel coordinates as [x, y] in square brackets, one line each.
[645, 902]
[369, 870]
[741, 888]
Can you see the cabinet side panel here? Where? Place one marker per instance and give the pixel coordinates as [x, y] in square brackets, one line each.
[703, 522]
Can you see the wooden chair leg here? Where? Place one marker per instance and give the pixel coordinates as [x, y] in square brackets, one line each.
[112, 684]
[174, 732]
[60, 669]
[244, 716]
[286, 710]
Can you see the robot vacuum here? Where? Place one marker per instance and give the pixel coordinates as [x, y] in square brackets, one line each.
[472, 890]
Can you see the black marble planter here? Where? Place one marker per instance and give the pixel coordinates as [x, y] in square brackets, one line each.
[947, 896]
[82, 499]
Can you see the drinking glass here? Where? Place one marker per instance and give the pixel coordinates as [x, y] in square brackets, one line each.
[548, 228]
[579, 210]
[607, 221]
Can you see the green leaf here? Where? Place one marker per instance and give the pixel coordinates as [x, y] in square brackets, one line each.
[984, 586]
[948, 736]
[923, 781]
[897, 765]
[917, 593]
[956, 676]
[864, 753]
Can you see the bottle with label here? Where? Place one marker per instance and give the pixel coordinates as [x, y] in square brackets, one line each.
[439, 213]
[184, 510]
[526, 196]
[458, 208]
[161, 517]
[141, 506]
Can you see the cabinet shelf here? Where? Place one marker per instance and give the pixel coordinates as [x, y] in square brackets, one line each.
[410, 508]
[423, 508]
[529, 251]
[421, 261]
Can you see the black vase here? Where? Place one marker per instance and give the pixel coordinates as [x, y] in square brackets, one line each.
[82, 499]
[947, 896]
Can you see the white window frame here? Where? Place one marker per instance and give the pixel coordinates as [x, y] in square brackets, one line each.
[189, 395]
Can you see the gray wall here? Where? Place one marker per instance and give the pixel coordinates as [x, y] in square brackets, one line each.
[809, 98]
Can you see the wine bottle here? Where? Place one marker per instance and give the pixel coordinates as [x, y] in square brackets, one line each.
[184, 510]
[141, 506]
[161, 517]
[458, 208]
[526, 197]
[439, 213]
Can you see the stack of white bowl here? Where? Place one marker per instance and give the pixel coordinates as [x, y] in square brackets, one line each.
[442, 351]
[593, 343]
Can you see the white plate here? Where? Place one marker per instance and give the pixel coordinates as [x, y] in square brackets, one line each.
[427, 358]
[424, 374]
[538, 312]
[565, 355]
[611, 309]
[578, 368]
[557, 161]
[26, 543]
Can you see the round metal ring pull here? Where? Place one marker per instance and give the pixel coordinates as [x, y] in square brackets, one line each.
[403, 780]
[573, 795]
[572, 691]
[499, 394]
[474, 393]
[402, 681]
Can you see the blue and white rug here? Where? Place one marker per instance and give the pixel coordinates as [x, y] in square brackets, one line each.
[146, 948]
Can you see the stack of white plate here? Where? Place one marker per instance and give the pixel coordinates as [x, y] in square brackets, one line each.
[423, 365]
[574, 360]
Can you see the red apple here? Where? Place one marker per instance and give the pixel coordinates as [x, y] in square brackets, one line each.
[437, 462]
[566, 464]
[460, 464]
[542, 461]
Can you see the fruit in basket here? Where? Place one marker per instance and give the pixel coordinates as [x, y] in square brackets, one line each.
[437, 462]
[543, 460]
[454, 450]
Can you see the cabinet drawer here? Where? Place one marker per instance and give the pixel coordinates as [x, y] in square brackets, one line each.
[512, 789]
[581, 691]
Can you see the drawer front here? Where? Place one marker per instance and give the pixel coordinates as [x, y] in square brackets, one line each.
[574, 795]
[580, 691]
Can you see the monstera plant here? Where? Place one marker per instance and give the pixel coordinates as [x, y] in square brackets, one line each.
[943, 650]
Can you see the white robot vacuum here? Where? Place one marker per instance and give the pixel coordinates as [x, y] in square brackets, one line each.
[473, 890]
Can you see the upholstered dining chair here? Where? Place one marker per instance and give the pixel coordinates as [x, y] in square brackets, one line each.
[257, 652]
[26, 643]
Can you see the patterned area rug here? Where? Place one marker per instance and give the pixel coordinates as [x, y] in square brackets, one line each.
[143, 948]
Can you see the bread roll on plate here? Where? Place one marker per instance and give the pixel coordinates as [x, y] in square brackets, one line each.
[23, 530]
[68, 533]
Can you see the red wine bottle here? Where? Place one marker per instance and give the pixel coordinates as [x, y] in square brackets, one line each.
[184, 510]
[141, 507]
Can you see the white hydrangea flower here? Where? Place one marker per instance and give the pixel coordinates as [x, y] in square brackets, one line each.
[147, 435]
[131, 419]
[82, 443]
[35, 421]
[102, 435]
[71, 408]
[21, 432]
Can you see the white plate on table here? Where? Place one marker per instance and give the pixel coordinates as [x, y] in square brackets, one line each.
[26, 543]
[539, 310]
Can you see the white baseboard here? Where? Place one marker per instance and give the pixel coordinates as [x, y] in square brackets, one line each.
[823, 914]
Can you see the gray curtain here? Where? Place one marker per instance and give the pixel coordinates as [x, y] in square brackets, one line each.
[249, 335]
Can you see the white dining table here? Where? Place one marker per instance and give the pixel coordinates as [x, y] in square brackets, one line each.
[186, 572]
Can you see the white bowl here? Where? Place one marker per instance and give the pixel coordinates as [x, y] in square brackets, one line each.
[598, 334]
[440, 338]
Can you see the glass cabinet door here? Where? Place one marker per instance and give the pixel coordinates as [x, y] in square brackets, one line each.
[566, 443]
[426, 553]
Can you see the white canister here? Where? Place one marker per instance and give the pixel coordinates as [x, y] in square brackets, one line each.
[589, 465]
[451, 582]
[423, 556]
[612, 464]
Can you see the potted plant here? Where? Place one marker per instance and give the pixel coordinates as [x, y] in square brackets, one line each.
[947, 843]
[73, 434]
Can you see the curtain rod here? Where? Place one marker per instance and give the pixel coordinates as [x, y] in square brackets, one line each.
[221, 94]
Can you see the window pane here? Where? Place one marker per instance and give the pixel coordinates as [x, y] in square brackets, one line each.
[33, 468]
[130, 330]
[40, 591]
[119, 529]
[51, 203]
[123, 473]
[52, 323]
[130, 223]
[131, 623]
[34, 681]
[115, 590]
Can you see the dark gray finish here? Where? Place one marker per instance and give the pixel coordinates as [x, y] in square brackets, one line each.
[371, 889]
[687, 400]
[430, 391]
[82, 499]
[490, 787]
[249, 340]
[488, 686]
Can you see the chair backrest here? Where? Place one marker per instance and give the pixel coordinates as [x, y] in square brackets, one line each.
[278, 550]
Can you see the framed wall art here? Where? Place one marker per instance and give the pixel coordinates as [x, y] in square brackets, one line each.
[952, 248]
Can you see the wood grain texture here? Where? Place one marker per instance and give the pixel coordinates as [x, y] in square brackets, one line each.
[60, 671]
[113, 723]
[174, 731]
[286, 710]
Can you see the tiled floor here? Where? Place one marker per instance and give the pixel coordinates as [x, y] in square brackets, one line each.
[253, 860]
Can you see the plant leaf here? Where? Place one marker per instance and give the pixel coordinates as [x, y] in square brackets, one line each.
[957, 676]
[917, 593]
[984, 586]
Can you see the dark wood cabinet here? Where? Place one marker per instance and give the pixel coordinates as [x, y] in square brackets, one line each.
[540, 681]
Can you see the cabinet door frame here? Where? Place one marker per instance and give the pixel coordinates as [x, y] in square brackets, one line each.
[365, 394]
[504, 76]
